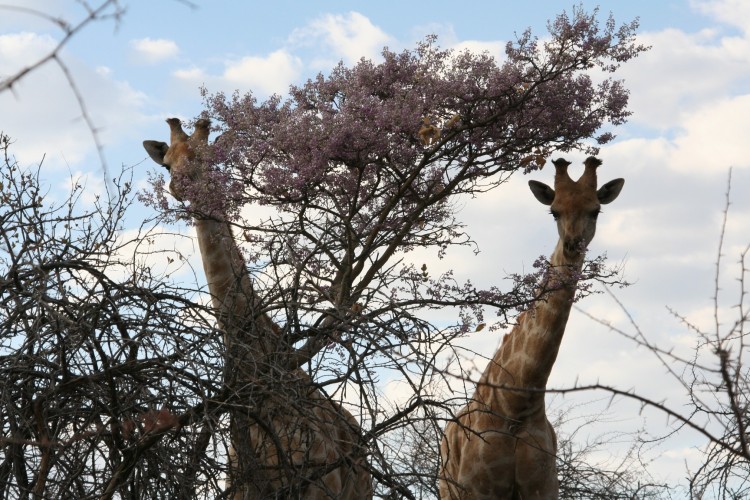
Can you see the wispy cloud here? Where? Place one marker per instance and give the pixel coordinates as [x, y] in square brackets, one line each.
[264, 75]
[269, 74]
[152, 51]
[344, 36]
[732, 12]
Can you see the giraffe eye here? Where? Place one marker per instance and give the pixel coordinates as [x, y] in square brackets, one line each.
[555, 214]
[595, 213]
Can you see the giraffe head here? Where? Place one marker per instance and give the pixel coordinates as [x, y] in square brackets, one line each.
[575, 205]
[179, 157]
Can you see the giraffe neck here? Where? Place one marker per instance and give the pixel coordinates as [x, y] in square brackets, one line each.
[238, 308]
[528, 352]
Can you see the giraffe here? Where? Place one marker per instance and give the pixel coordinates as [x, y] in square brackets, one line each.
[304, 448]
[501, 444]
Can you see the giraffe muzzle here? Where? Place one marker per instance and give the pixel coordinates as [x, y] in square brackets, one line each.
[574, 248]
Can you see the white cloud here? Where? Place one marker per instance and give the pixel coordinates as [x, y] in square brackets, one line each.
[349, 36]
[193, 74]
[263, 75]
[318, 46]
[331, 38]
[268, 74]
[19, 50]
[682, 72]
[152, 51]
[731, 12]
[705, 142]
[715, 137]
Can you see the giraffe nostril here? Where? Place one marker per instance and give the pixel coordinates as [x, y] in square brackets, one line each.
[574, 246]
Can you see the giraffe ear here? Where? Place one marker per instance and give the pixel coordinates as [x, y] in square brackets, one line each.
[156, 150]
[609, 192]
[542, 192]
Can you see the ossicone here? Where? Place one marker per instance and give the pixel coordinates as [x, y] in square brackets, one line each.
[561, 163]
[561, 170]
[592, 162]
[589, 172]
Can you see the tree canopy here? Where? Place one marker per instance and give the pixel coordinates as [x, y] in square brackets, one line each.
[365, 164]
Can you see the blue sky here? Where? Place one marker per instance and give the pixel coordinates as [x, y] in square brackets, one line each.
[690, 96]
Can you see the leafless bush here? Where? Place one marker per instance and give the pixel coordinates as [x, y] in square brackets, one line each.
[715, 380]
[100, 380]
[585, 474]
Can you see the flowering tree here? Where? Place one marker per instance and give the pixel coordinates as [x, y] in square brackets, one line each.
[355, 169]
[363, 165]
